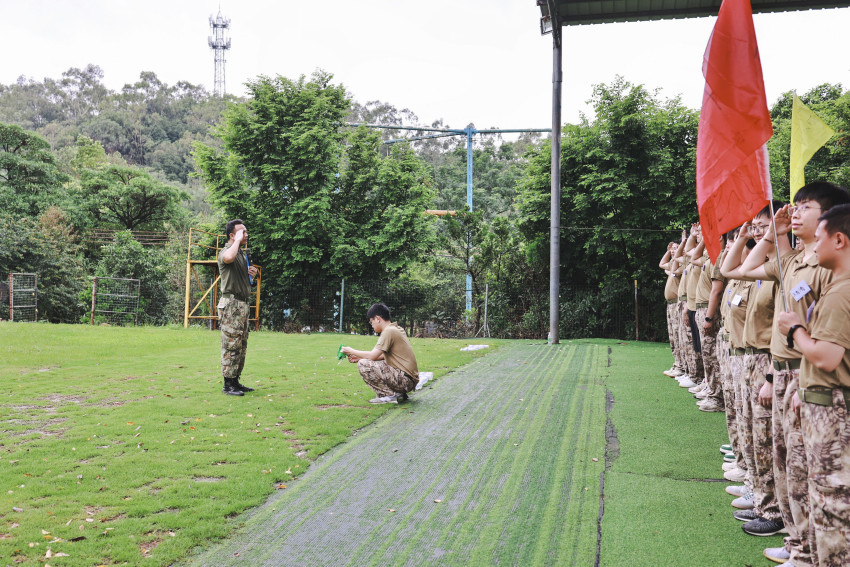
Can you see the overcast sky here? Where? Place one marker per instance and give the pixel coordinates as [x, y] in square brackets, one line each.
[479, 61]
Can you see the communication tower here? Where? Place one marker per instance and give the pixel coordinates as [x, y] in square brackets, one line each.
[219, 42]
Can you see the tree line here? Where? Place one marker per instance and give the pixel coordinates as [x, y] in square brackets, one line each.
[325, 201]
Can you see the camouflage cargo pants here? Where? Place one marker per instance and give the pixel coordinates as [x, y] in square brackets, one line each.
[711, 368]
[766, 505]
[694, 358]
[383, 378]
[683, 339]
[673, 323]
[233, 320]
[728, 390]
[790, 469]
[741, 380]
[826, 433]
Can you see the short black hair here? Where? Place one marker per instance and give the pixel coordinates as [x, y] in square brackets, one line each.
[230, 227]
[765, 212]
[837, 220]
[826, 194]
[379, 310]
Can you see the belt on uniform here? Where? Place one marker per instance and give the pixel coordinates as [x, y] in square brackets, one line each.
[751, 350]
[792, 364]
[723, 336]
[231, 296]
[683, 298]
[822, 397]
[702, 305]
[672, 301]
[737, 351]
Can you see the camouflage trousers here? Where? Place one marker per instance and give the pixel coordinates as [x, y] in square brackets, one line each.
[233, 320]
[726, 382]
[673, 324]
[826, 434]
[711, 368]
[695, 370]
[766, 506]
[743, 411]
[682, 329]
[790, 470]
[384, 379]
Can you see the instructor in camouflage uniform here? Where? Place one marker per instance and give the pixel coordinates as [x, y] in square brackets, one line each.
[236, 277]
[390, 368]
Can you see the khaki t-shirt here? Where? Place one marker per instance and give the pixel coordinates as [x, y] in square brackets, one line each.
[738, 314]
[758, 327]
[234, 276]
[806, 280]
[671, 290]
[830, 322]
[704, 283]
[683, 280]
[397, 350]
[693, 279]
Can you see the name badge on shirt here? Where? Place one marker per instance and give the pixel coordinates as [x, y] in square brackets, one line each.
[736, 301]
[800, 290]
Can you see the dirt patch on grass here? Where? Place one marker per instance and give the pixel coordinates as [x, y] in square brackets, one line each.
[335, 406]
[208, 478]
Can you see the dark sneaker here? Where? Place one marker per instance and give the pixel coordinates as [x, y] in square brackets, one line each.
[762, 527]
[745, 515]
[402, 397]
[242, 387]
[230, 388]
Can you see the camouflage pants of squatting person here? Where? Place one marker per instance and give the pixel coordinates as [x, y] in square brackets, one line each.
[766, 505]
[790, 469]
[826, 434]
[384, 379]
[233, 320]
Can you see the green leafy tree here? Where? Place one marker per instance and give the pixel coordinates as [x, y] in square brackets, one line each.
[46, 247]
[128, 197]
[628, 185]
[30, 181]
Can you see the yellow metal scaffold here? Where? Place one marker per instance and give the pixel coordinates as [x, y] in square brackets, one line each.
[202, 254]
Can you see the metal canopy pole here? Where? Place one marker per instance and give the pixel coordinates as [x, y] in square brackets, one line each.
[555, 222]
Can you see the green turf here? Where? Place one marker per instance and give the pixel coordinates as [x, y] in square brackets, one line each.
[665, 502]
[118, 446]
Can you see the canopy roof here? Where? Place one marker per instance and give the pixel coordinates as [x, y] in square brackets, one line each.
[578, 12]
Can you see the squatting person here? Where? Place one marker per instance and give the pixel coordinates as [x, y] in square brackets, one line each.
[236, 276]
[390, 368]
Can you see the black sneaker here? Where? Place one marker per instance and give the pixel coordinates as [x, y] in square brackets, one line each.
[242, 387]
[745, 515]
[230, 388]
[762, 527]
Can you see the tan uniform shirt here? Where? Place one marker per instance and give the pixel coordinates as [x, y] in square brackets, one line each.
[738, 314]
[799, 276]
[398, 353]
[716, 275]
[830, 322]
[671, 290]
[758, 327]
[683, 280]
[726, 302]
[693, 278]
[704, 283]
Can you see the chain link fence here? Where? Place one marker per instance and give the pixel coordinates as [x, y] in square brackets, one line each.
[115, 301]
[618, 310]
[19, 298]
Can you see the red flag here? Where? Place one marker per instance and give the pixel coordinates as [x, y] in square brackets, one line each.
[733, 181]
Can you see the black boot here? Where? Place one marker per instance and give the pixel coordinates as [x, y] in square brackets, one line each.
[231, 389]
[242, 387]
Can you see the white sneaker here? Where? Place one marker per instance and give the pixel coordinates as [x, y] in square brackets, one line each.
[385, 400]
[687, 383]
[745, 502]
[729, 466]
[736, 489]
[698, 388]
[681, 377]
[735, 475]
[671, 373]
[778, 554]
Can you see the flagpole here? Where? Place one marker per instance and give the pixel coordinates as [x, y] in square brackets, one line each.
[778, 259]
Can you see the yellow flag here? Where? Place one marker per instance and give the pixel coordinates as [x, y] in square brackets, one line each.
[808, 134]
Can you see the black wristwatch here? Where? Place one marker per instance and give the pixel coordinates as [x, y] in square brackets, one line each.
[709, 319]
[790, 336]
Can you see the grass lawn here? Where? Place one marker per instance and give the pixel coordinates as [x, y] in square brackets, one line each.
[118, 446]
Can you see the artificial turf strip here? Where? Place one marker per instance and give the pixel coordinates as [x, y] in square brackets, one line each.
[118, 447]
[498, 464]
[665, 503]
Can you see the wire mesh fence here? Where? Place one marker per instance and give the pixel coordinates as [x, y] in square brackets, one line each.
[618, 310]
[115, 301]
[21, 294]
